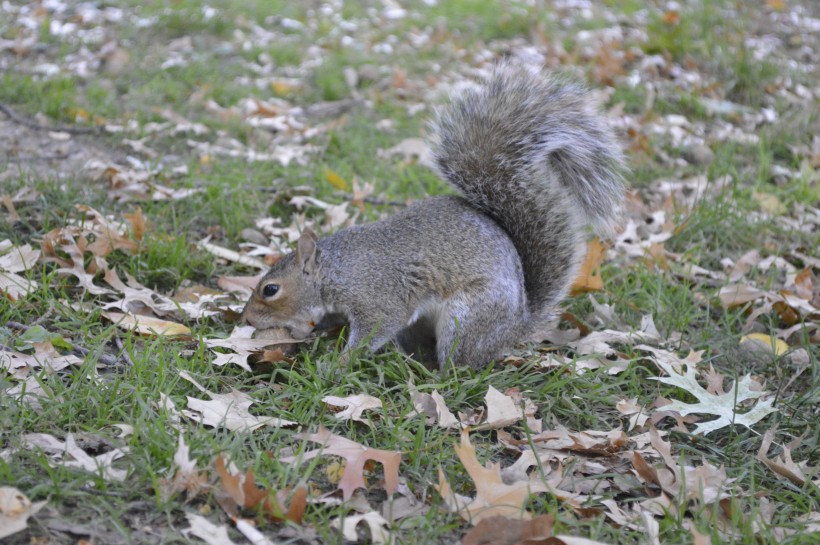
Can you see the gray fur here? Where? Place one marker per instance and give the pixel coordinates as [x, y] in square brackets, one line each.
[466, 277]
[529, 150]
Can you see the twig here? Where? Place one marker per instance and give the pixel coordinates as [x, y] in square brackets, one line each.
[123, 352]
[79, 350]
[20, 120]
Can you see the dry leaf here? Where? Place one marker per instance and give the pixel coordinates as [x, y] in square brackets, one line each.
[356, 405]
[108, 236]
[336, 181]
[723, 406]
[493, 496]
[45, 357]
[244, 345]
[231, 255]
[636, 413]
[147, 325]
[498, 530]
[15, 510]
[783, 464]
[356, 455]
[95, 464]
[207, 531]
[227, 410]
[433, 407]
[589, 275]
[242, 490]
[137, 298]
[15, 260]
[186, 477]
[501, 409]
[375, 522]
[775, 345]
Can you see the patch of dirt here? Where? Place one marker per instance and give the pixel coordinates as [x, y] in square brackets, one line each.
[43, 154]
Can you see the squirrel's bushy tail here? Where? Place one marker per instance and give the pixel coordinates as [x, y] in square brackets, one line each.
[529, 150]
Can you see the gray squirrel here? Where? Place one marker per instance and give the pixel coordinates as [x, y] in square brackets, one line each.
[463, 278]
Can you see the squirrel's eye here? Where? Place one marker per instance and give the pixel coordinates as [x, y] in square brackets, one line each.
[270, 290]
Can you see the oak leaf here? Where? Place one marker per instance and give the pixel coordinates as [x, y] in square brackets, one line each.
[375, 522]
[723, 406]
[354, 405]
[356, 455]
[227, 410]
[242, 490]
[187, 477]
[493, 496]
[784, 465]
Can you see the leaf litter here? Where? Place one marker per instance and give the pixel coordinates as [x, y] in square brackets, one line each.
[79, 251]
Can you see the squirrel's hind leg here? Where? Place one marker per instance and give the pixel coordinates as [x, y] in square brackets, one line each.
[473, 331]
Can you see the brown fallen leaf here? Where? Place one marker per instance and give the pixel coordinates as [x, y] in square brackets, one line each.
[496, 530]
[356, 455]
[241, 489]
[493, 496]
[109, 236]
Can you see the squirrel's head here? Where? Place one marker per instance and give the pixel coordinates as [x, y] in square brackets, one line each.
[288, 296]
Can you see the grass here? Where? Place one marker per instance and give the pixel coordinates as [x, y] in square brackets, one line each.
[90, 401]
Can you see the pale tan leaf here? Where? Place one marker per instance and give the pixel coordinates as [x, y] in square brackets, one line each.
[186, 477]
[227, 410]
[17, 259]
[356, 456]
[784, 465]
[355, 406]
[501, 409]
[147, 325]
[97, 464]
[231, 255]
[207, 531]
[375, 522]
[493, 496]
[15, 510]
[243, 343]
[723, 406]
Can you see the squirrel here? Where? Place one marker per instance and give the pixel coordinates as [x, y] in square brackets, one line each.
[463, 278]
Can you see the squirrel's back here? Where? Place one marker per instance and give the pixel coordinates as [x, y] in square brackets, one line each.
[529, 150]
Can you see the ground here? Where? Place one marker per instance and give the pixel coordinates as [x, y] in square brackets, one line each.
[131, 132]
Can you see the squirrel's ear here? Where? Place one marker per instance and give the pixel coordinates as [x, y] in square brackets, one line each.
[306, 250]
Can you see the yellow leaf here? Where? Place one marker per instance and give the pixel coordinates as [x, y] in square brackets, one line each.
[769, 203]
[78, 114]
[147, 325]
[336, 181]
[281, 87]
[778, 346]
[334, 472]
